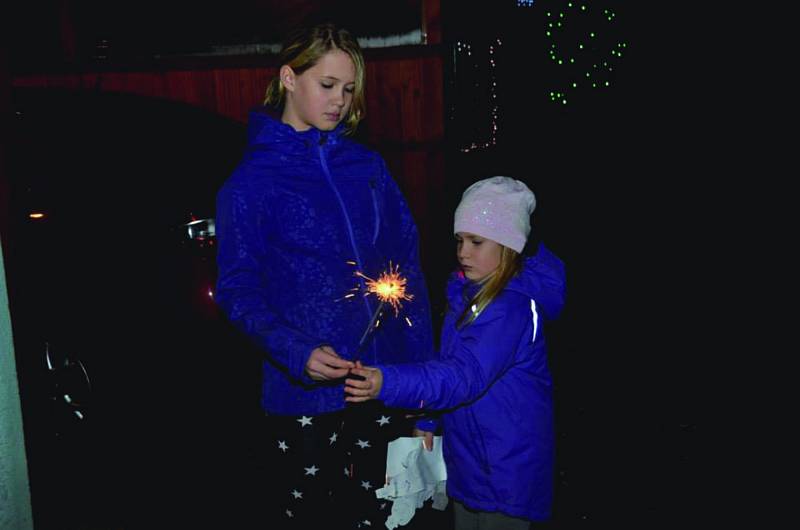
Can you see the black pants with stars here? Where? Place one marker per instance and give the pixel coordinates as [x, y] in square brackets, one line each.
[322, 471]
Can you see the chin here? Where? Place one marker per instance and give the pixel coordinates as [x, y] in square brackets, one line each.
[470, 275]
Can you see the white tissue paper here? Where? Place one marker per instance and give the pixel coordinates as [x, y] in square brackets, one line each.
[414, 475]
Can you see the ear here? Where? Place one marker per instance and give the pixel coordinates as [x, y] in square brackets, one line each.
[287, 77]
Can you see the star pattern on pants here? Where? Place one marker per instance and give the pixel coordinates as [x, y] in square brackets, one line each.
[297, 494]
[363, 444]
[289, 513]
[282, 445]
[366, 485]
[305, 420]
[311, 470]
[333, 438]
[383, 420]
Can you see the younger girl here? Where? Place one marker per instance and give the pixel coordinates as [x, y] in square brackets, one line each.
[492, 377]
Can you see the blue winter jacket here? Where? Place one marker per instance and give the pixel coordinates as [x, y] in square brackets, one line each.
[493, 381]
[296, 210]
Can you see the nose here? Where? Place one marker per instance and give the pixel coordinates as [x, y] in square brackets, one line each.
[339, 98]
[461, 252]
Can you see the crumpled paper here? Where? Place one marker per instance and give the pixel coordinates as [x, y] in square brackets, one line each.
[414, 475]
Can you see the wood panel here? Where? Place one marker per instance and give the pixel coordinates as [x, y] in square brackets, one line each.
[404, 95]
[404, 122]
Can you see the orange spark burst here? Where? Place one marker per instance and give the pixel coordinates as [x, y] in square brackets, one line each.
[390, 287]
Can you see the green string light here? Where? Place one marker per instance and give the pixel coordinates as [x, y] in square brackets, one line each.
[574, 53]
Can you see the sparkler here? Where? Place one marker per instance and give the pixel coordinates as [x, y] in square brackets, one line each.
[389, 288]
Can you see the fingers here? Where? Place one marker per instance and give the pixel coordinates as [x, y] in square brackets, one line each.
[333, 373]
[427, 438]
[330, 358]
[427, 441]
[359, 392]
[364, 384]
[325, 372]
[359, 388]
[363, 372]
[325, 364]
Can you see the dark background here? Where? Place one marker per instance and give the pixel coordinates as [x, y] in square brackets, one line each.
[617, 178]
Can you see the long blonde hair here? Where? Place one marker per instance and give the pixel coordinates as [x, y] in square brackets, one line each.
[304, 48]
[492, 285]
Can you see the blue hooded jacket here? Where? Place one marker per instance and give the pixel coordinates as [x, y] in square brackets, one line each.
[492, 380]
[299, 215]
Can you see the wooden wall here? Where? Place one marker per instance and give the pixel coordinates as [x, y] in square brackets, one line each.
[405, 108]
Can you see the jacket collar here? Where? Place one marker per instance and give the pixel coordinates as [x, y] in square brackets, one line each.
[265, 126]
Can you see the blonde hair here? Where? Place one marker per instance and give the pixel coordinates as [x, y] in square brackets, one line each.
[304, 48]
[492, 285]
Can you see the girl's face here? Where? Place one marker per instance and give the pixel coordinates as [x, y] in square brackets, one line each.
[478, 256]
[321, 96]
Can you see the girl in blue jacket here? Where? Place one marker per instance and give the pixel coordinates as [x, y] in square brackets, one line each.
[305, 209]
[492, 378]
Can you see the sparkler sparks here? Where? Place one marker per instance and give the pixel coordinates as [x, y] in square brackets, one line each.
[390, 287]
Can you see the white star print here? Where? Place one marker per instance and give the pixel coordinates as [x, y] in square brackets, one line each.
[346, 472]
[365, 484]
[282, 446]
[311, 470]
[367, 522]
[297, 494]
[289, 513]
[305, 420]
[332, 438]
[363, 444]
[382, 506]
[384, 420]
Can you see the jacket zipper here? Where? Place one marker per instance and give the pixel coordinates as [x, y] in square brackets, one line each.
[328, 177]
[375, 209]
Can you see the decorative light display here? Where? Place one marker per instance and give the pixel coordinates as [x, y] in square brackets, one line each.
[466, 60]
[524, 3]
[584, 49]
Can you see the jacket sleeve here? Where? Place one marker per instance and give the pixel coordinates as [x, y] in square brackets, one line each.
[242, 284]
[401, 239]
[484, 350]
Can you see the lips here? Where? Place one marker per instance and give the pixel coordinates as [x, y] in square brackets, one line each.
[332, 116]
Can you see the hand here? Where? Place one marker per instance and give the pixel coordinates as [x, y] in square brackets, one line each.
[428, 438]
[366, 389]
[325, 364]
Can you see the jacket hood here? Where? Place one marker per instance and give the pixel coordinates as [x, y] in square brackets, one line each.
[264, 125]
[542, 278]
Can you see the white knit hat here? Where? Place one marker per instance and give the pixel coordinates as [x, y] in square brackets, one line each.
[497, 208]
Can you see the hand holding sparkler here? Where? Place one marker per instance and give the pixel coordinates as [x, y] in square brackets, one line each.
[324, 364]
[366, 387]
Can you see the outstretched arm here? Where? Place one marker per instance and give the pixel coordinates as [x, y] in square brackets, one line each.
[486, 348]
